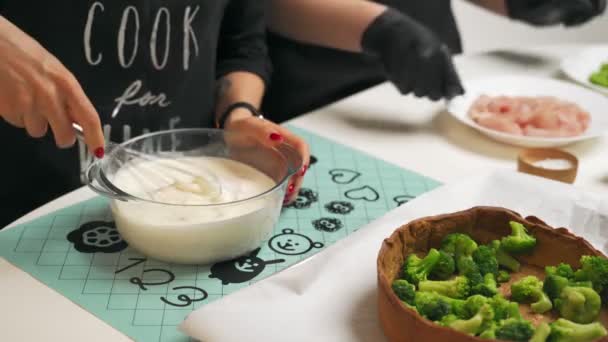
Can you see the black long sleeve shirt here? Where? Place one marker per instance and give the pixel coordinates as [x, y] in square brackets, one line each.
[145, 65]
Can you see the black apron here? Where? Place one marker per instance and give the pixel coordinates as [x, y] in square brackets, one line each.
[307, 77]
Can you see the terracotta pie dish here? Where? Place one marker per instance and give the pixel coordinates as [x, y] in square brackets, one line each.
[483, 224]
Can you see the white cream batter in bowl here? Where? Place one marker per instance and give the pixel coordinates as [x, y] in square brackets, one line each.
[195, 196]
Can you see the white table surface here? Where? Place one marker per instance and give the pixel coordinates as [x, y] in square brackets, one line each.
[414, 134]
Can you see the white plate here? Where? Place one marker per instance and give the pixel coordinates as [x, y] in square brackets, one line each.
[592, 102]
[580, 66]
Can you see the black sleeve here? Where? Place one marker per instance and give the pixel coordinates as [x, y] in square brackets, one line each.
[242, 41]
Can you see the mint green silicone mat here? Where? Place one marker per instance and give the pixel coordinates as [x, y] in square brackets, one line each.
[77, 251]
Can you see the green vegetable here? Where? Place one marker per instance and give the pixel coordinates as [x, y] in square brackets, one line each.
[562, 270]
[504, 259]
[600, 77]
[530, 290]
[404, 290]
[594, 269]
[473, 325]
[457, 306]
[579, 304]
[416, 269]
[485, 258]
[504, 309]
[514, 329]
[431, 306]
[503, 276]
[490, 331]
[541, 333]
[444, 268]
[457, 244]
[519, 241]
[563, 330]
[554, 285]
[457, 287]
[473, 304]
[486, 288]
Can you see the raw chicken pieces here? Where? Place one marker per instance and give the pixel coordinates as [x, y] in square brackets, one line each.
[541, 116]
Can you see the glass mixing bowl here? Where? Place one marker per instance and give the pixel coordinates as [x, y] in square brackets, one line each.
[182, 231]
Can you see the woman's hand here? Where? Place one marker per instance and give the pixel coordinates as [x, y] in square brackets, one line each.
[37, 91]
[414, 58]
[271, 134]
[553, 12]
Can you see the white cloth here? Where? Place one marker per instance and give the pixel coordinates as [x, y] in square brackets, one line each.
[332, 296]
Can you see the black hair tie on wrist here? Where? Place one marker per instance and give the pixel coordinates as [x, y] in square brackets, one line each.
[254, 111]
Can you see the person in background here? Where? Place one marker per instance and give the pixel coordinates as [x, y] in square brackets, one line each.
[120, 69]
[325, 50]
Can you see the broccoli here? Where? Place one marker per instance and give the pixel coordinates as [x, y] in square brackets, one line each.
[519, 241]
[594, 269]
[503, 258]
[503, 276]
[490, 332]
[444, 268]
[404, 290]
[504, 309]
[530, 289]
[562, 270]
[475, 324]
[563, 330]
[431, 305]
[448, 319]
[514, 329]
[541, 333]
[473, 304]
[457, 244]
[416, 269]
[554, 284]
[457, 287]
[486, 288]
[457, 306]
[579, 304]
[485, 258]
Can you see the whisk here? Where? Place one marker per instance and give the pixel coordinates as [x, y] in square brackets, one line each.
[200, 181]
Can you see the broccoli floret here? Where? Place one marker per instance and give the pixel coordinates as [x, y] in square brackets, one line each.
[579, 304]
[490, 332]
[448, 319]
[541, 333]
[457, 287]
[514, 329]
[503, 276]
[458, 244]
[554, 284]
[504, 259]
[486, 288]
[473, 304]
[563, 330]
[431, 305]
[530, 290]
[457, 306]
[444, 268]
[475, 324]
[404, 290]
[485, 258]
[594, 269]
[416, 269]
[562, 270]
[520, 241]
[504, 309]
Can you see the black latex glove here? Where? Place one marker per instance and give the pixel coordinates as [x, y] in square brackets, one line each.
[554, 12]
[414, 59]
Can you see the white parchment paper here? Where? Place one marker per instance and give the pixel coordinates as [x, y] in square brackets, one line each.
[332, 296]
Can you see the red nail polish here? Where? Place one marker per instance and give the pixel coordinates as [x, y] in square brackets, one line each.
[276, 136]
[304, 169]
[99, 152]
[290, 188]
